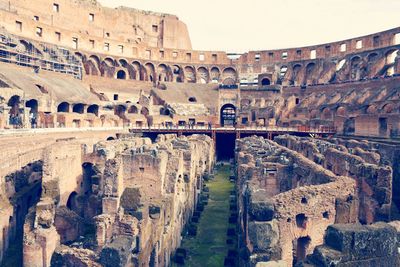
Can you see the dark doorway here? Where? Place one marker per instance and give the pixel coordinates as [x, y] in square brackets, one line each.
[228, 115]
[300, 247]
[121, 75]
[63, 107]
[71, 203]
[349, 126]
[383, 126]
[33, 104]
[265, 82]
[79, 108]
[225, 147]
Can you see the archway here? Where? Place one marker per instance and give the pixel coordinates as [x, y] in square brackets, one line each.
[94, 109]
[14, 104]
[63, 107]
[300, 247]
[121, 75]
[71, 202]
[78, 108]
[33, 104]
[265, 82]
[120, 111]
[133, 109]
[14, 114]
[228, 115]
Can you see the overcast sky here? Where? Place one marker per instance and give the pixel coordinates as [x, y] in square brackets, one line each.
[239, 26]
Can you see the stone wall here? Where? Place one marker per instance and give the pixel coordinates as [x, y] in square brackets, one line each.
[129, 193]
[357, 245]
[374, 178]
[285, 199]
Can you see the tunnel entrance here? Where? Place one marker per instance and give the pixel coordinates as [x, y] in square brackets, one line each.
[228, 115]
[25, 188]
[300, 247]
[225, 146]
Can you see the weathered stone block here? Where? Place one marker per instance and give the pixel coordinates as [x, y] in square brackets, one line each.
[261, 211]
[263, 235]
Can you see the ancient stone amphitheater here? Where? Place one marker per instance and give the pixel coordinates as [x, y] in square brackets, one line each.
[112, 128]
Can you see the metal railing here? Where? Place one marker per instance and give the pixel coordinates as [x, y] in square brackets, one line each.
[217, 127]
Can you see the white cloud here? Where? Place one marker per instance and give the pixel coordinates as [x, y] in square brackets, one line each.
[238, 26]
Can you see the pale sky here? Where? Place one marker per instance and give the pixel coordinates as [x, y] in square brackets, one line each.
[240, 26]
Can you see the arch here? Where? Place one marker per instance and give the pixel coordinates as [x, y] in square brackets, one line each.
[355, 68]
[228, 81]
[96, 59]
[326, 114]
[133, 109]
[71, 202]
[388, 108]
[300, 247]
[391, 56]
[151, 72]
[310, 69]
[203, 75]
[88, 171]
[163, 73]
[192, 99]
[63, 107]
[80, 56]
[229, 73]
[107, 67]
[78, 108]
[295, 74]
[228, 115]
[93, 109]
[91, 67]
[14, 102]
[215, 74]
[120, 110]
[165, 111]
[136, 66]
[372, 57]
[371, 109]
[265, 82]
[110, 138]
[110, 62]
[33, 104]
[130, 71]
[121, 75]
[341, 111]
[178, 74]
[190, 74]
[123, 62]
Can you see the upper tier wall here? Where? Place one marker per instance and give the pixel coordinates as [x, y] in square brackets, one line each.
[130, 33]
[86, 19]
[328, 50]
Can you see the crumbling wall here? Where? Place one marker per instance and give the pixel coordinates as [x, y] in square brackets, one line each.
[147, 193]
[354, 245]
[374, 178]
[285, 199]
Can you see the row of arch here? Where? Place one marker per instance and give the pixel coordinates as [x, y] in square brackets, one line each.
[155, 72]
[358, 67]
[119, 110]
[327, 113]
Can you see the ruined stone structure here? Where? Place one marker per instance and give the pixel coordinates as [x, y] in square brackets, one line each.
[77, 189]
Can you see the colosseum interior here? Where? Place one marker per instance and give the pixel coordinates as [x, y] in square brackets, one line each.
[123, 146]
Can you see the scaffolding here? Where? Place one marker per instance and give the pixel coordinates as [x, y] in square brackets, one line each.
[39, 56]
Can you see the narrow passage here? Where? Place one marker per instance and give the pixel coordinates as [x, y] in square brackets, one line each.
[209, 247]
